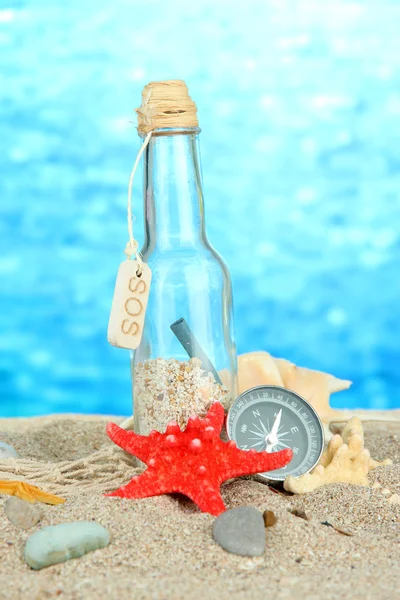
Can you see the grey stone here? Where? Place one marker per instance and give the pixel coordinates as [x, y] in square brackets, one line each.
[241, 531]
[7, 451]
[22, 514]
[58, 543]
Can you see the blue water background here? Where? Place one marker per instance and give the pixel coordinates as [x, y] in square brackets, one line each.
[299, 103]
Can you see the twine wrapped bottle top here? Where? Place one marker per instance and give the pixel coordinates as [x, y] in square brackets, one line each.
[166, 104]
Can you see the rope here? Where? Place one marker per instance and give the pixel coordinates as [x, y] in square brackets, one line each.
[166, 104]
[102, 471]
[132, 245]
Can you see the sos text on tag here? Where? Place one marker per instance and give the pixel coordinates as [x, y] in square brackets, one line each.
[128, 309]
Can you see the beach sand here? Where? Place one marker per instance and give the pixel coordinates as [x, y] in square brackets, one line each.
[162, 548]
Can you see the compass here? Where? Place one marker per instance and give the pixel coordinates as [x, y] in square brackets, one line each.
[272, 418]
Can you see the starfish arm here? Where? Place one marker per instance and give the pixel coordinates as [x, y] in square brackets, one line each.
[142, 486]
[216, 416]
[193, 462]
[25, 492]
[241, 462]
[17, 488]
[138, 445]
[208, 499]
[8, 487]
[41, 496]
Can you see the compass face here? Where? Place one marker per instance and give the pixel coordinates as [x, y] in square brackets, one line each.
[272, 418]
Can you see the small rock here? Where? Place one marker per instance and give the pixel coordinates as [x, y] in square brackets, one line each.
[241, 531]
[22, 514]
[299, 512]
[7, 451]
[395, 499]
[58, 543]
[386, 492]
[376, 485]
[269, 518]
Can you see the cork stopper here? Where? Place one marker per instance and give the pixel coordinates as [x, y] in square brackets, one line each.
[166, 104]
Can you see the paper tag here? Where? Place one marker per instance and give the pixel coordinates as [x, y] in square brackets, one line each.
[125, 327]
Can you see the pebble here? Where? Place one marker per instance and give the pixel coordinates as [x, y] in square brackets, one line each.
[269, 518]
[241, 531]
[22, 514]
[58, 543]
[386, 492]
[7, 451]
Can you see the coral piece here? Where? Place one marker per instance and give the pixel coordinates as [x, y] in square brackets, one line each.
[193, 462]
[28, 492]
[260, 368]
[353, 428]
[344, 460]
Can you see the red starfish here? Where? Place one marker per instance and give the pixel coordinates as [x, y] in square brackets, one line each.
[193, 462]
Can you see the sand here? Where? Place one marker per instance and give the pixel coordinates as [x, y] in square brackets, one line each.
[162, 548]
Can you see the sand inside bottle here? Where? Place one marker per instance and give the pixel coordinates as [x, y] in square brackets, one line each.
[170, 390]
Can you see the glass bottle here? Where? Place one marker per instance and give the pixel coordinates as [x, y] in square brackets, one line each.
[190, 288]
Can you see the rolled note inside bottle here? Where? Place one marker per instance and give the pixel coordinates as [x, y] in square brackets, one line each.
[182, 331]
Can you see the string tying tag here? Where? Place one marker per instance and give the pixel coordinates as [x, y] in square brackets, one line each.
[165, 104]
[128, 310]
[132, 245]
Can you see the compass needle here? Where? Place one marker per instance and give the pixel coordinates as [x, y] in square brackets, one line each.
[283, 420]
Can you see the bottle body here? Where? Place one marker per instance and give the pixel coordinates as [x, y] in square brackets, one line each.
[180, 371]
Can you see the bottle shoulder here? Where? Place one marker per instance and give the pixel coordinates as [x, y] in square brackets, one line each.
[181, 254]
[182, 261]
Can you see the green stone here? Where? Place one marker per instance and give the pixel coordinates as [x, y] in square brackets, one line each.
[58, 543]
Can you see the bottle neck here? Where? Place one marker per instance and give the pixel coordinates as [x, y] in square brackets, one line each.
[174, 212]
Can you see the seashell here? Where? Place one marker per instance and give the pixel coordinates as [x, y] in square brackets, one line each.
[260, 368]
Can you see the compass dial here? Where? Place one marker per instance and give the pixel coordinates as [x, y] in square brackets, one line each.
[272, 418]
